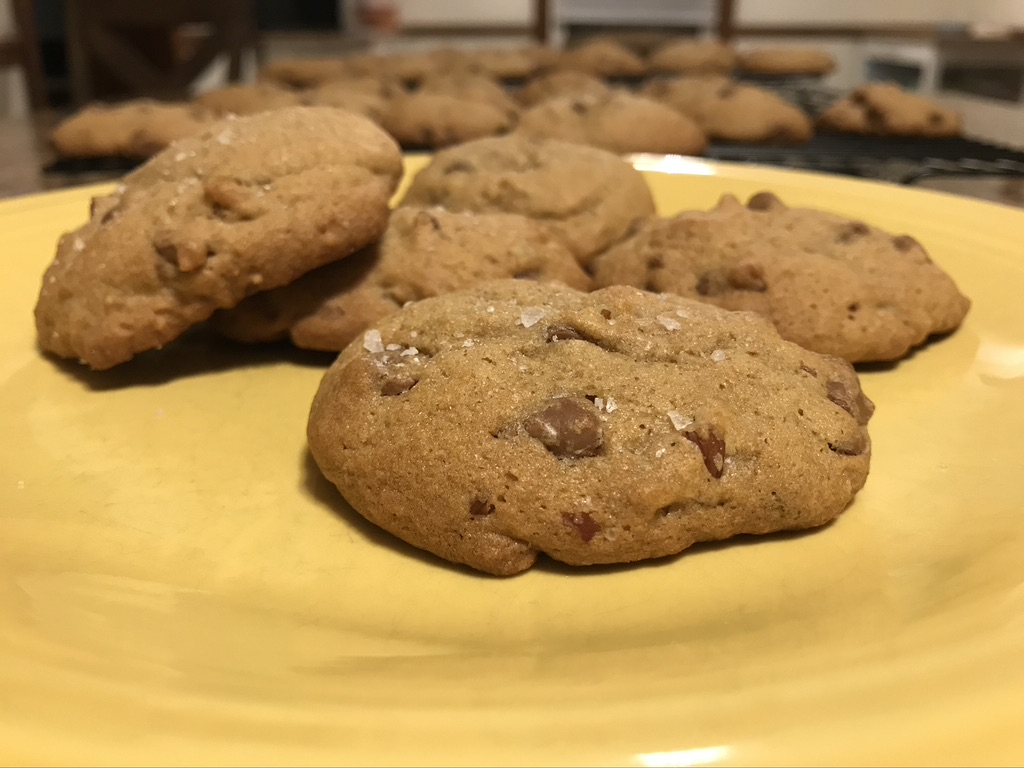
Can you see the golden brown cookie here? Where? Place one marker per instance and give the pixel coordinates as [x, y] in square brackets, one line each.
[424, 252]
[832, 285]
[247, 99]
[617, 121]
[248, 204]
[560, 84]
[602, 57]
[491, 425]
[469, 86]
[689, 56]
[422, 119]
[304, 73]
[588, 197]
[884, 109]
[512, 64]
[729, 111]
[363, 96]
[786, 61]
[134, 129]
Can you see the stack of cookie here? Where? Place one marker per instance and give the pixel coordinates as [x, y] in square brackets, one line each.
[487, 404]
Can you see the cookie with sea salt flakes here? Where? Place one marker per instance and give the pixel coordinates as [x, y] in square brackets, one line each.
[424, 252]
[249, 204]
[588, 197]
[830, 284]
[607, 427]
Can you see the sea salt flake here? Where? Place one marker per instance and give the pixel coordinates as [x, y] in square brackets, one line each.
[78, 244]
[599, 403]
[679, 421]
[410, 352]
[610, 405]
[668, 323]
[413, 334]
[659, 453]
[467, 343]
[225, 137]
[393, 347]
[531, 316]
[719, 355]
[490, 309]
[372, 342]
[682, 313]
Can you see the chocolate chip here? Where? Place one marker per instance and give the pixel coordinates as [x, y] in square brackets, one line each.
[712, 448]
[856, 404]
[852, 231]
[747, 277]
[569, 427]
[934, 118]
[764, 201]
[481, 506]
[585, 525]
[655, 262]
[606, 314]
[904, 243]
[580, 107]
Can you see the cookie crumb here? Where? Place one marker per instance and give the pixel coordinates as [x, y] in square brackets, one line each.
[372, 342]
[679, 421]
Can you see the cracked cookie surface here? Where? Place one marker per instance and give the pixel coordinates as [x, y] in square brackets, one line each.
[589, 198]
[607, 427]
[830, 284]
[247, 205]
[424, 253]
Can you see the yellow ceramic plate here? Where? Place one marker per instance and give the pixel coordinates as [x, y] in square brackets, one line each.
[178, 584]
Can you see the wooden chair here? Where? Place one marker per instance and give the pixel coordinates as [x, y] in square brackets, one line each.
[23, 51]
[108, 37]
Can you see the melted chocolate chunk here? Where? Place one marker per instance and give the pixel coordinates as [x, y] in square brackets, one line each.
[569, 427]
[585, 525]
[712, 448]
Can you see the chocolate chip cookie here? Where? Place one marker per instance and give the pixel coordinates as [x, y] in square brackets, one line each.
[608, 427]
[470, 86]
[833, 285]
[135, 129]
[247, 99]
[588, 197]
[420, 119]
[305, 73]
[603, 58]
[729, 111]
[248, 204]
[617, 121]
[787, 61]
[688, 56]
[884, 109]
[424, 252]
[560, 84]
